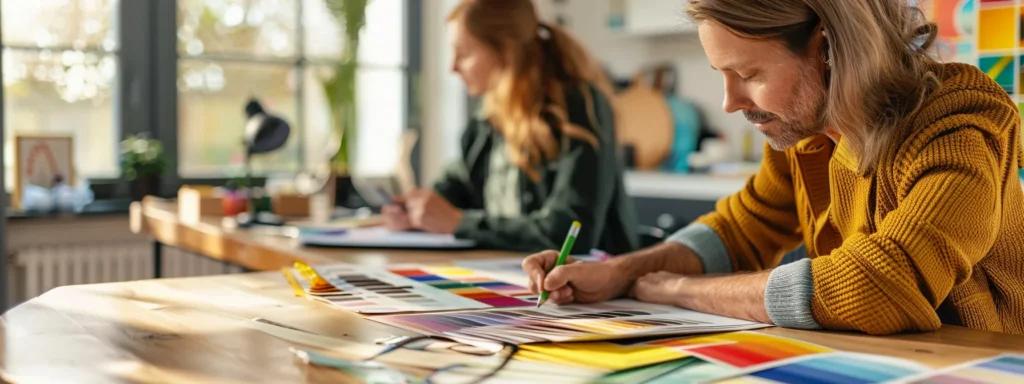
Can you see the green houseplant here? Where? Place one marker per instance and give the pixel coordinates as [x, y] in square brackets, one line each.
[340, 87]
[143, 161]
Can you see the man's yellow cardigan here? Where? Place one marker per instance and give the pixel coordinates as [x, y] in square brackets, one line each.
[935, 235]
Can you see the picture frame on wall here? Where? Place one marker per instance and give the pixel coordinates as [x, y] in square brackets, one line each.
[42, 161]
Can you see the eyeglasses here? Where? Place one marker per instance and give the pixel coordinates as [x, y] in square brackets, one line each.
[508, 350]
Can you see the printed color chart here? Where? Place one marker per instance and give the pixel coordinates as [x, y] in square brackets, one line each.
[610, 320]
[743, 349]
[1001, 369]
[746, 351]
[835, 368]
[415, 288]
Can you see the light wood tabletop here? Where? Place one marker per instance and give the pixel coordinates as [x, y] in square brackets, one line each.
[193, 330]
[262, 251]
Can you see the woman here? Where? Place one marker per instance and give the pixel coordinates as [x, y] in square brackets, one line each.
[541, 152]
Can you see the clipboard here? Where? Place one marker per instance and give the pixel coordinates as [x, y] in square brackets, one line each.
[380, 237]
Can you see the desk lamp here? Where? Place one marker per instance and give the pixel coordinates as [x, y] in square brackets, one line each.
[263, 133]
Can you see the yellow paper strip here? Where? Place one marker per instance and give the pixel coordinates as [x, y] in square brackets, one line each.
[296, 288]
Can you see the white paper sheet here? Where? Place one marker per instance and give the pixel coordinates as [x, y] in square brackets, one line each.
[380, 237]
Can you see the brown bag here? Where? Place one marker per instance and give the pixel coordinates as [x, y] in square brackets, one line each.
[644, 121]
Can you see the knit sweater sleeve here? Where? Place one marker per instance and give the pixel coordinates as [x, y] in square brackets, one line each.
[758, 223]
[946, 220]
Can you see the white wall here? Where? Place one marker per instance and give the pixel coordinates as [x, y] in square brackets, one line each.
[442, 95]
[622, 54]
[626, 54]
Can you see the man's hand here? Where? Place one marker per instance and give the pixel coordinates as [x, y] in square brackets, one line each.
[429, 212]
[658, 288]
[395, 217]
[579, 282]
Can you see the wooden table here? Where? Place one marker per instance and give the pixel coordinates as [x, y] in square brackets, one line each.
[191, 330]
[260, 251]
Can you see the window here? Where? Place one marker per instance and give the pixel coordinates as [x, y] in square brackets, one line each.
[280, 51]
[59, 71]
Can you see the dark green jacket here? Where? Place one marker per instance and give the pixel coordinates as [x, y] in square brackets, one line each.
[583, 183]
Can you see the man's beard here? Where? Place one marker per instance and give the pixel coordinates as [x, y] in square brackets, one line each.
[807, 111]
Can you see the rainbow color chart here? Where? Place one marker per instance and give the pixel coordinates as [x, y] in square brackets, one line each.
[615, 319]
[736, 350]
[745, 350]
[834, 368]
[1000, 369]
[415, 288]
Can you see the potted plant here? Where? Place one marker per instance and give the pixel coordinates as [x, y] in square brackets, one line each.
[143, 161]
[340, 89]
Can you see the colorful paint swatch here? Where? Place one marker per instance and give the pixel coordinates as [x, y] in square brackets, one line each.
[683, 371]
[605, 321]
[1000, 69]
[1000, 369]
[739, 350]
[599, 354]
[834, 368]
[413, 288]
[997, 28]
[743, 349]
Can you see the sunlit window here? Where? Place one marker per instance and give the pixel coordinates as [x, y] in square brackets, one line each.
[280, 51]
[59, 71]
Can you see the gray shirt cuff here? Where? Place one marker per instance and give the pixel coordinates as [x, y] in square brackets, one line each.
[788, 295]
[708, 246]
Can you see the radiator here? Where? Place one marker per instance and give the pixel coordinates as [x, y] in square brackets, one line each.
[40, 268]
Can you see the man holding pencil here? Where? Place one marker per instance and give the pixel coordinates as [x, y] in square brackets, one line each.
[898, 174]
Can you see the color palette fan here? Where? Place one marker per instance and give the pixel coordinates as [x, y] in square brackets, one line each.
[683, 371]
[582, 322]
[1000, 369]
[834, 368]
[745, 350]
[414, 288]
[600, 354]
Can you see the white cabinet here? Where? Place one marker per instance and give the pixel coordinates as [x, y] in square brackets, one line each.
[657, 17]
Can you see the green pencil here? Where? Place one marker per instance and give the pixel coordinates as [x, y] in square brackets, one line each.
[570, 239]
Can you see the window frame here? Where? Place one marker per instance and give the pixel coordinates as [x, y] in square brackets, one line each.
[145, 100]
[122, 24]
[164, 107]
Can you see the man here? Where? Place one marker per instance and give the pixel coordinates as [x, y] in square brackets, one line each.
[898, 173]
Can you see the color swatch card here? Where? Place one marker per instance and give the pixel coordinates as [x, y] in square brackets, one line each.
[610, 355]
[415, 288]
[581, 322]
[744, 350]
[740, 350]
[833, 368]
[683, 371]
[1000, 369]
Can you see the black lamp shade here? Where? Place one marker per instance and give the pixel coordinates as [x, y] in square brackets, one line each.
[264, 132]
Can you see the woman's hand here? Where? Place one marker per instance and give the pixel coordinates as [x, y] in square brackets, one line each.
[429, 212]
[395, 217]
